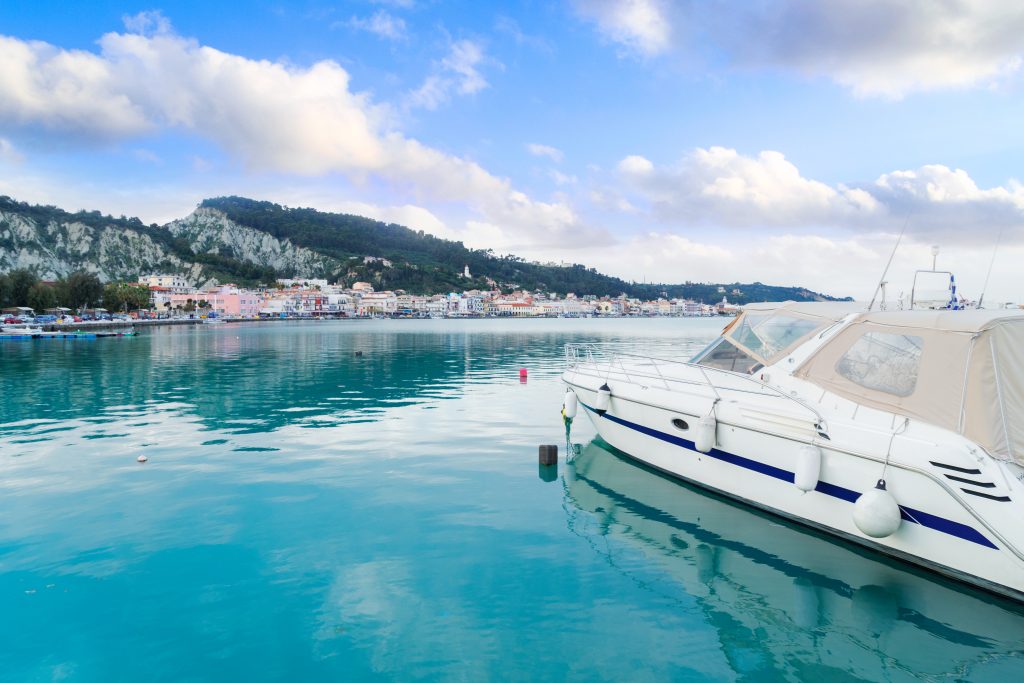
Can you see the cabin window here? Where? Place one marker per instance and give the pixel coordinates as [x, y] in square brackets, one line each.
[883, 362]
[724, 355]
[770, 335]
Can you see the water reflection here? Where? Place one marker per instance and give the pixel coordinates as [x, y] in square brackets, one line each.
[259, 377]
[786, 601]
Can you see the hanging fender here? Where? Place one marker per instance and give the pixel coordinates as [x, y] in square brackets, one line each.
[569, 405]
[808, 467]
[876, 512]
[604, 399]
[704, 433]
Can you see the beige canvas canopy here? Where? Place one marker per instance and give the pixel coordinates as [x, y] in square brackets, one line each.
[961, 370]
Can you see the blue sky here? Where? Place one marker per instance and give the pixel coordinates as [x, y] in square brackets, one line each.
[785, 141]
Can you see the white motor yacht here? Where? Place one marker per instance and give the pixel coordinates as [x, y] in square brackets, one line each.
[899, 430]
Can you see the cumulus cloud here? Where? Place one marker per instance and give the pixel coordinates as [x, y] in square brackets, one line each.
[381, 24]
[149, 22]
[269, 115]
[539, 150]
[457, 73]
[883, 47]
[643, 26]
[720, 187]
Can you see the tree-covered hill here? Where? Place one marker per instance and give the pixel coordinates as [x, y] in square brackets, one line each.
[424, 263]
[234, 239]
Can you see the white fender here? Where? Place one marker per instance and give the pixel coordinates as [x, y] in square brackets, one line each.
[876, 512]
[604, 399]
[704, 433]
[570, 404]
[808, 467]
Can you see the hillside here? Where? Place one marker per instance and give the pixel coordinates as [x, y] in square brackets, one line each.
[248, 241]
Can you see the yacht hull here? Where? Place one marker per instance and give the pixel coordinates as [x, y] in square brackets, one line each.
[756, 467]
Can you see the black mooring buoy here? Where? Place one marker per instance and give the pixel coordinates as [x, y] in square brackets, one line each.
[359, 354]
[548, 455]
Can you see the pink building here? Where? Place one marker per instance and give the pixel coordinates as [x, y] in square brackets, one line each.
[226, 300]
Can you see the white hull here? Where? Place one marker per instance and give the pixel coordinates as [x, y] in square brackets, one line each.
[977, 541]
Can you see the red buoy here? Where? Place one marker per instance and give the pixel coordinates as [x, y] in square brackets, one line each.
[522, 374]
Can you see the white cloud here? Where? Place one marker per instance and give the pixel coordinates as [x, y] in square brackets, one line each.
[636, 166]
[69, 91]
[457, 73]
[539, 150]
[719, 186]
[149, 22]
[642, 26]
[560, 178]
[381, 23]
[883, 47]
[269, 115]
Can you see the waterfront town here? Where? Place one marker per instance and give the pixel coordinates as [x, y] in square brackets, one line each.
[172, 295]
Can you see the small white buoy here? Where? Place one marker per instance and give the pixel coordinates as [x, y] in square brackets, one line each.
[876, 512]
[141, 458]
[604, 399]
[569, 405]
[704, 433]
[808, 467]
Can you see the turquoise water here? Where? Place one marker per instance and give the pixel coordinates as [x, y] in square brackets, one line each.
[307, 514]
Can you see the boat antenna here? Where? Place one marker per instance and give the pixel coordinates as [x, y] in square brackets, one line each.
[881, 281]
[991, 263]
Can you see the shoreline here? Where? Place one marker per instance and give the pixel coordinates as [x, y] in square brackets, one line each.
[126, 324]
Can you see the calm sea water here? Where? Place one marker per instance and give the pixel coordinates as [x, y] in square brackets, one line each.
[307, 514]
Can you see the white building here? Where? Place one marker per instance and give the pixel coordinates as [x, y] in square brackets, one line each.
[378, 303]
[175, 284]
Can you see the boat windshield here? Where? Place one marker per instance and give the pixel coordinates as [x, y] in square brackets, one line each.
[770, 334]
[757, 339]
[722, 354]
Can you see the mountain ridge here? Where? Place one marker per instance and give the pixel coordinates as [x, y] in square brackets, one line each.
[249, 241]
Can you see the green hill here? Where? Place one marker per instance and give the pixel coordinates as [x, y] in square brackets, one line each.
[426, 264]
[234, 239]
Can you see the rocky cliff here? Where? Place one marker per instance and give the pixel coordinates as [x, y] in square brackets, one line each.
[204, 246]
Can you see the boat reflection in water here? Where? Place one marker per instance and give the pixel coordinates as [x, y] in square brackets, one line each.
[785, 600]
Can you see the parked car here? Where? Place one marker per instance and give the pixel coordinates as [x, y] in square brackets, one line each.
[13, 320]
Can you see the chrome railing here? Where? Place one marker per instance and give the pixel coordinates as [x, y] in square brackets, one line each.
[604, 364]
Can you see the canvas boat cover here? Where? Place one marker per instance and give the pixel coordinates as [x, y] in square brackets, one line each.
[961, 370]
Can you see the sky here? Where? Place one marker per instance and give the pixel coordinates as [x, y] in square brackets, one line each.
[785, 141]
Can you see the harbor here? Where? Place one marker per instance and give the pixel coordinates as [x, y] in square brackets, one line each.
[387, 507]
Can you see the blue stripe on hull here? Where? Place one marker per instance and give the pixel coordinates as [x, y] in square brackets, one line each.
[946, 526]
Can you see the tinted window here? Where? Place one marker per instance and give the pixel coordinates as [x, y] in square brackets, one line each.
[883, 362]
